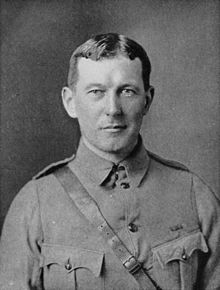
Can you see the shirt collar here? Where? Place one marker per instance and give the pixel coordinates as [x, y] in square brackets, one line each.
[97, 168]
[137, 163]
[92, 165]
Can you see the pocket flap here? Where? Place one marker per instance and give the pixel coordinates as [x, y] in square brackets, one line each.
[180, 249]
[73, 257]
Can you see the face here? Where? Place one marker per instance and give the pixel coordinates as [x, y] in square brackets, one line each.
[109, 101]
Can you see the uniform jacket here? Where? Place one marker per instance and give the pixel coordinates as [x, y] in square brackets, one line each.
[165, 215]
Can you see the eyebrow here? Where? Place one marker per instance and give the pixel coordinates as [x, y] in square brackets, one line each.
[89, 86]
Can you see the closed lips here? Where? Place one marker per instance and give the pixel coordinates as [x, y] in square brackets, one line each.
[115, 127]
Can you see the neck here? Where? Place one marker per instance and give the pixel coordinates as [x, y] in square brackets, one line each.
[113, 157]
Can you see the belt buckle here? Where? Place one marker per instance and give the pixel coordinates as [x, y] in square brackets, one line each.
[132, 265]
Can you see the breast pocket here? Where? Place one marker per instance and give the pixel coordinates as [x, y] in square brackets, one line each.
[175, 264]
[71, 268]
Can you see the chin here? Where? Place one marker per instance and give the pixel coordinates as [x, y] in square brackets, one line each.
[116, 147]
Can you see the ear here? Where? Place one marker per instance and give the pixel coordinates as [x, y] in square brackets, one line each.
[69, 101]
[149, 95]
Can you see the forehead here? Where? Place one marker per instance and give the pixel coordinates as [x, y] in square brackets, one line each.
[118, 68]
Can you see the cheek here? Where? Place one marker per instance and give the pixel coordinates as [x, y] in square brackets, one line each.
[83, 109]
[135, 112]
[87, 116]
[135, 104]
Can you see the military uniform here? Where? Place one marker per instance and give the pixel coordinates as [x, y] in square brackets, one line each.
[163, 213]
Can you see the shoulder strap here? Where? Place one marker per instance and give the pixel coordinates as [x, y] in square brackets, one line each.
[53, 167]
[170, 163]
[90, 210]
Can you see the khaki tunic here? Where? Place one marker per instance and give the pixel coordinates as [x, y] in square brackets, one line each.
[164, 214]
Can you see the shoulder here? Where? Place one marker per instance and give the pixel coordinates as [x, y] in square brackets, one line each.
[169, 174]
[53, 167]
[42, 186]
[176, 173]
[167, 163]
[204, 193]
[24, 205]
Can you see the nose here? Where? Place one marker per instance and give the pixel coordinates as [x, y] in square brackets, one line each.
[113, 104]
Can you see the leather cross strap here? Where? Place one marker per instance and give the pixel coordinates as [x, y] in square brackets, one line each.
[90, 210]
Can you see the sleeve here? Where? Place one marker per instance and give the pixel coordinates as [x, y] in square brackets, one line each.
[208, 207]
[20, 256]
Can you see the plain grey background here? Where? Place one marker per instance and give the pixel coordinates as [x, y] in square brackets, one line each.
[38, 37]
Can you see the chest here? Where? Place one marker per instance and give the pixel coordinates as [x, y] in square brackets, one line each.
[153, 222]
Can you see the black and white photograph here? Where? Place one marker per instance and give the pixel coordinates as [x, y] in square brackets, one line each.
[110, 126]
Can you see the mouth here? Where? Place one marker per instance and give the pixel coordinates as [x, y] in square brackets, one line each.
[114, 128]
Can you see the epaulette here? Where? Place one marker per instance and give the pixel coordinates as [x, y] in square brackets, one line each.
[170, 163]
[53, 167]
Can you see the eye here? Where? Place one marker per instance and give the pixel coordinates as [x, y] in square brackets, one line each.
[97, 92]
[128, 92]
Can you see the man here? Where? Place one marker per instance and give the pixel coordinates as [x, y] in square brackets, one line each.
[114, 216]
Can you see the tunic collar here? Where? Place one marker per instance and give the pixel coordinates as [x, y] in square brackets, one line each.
[97, 168]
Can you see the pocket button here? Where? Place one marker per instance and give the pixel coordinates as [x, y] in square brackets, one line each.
[184, 256]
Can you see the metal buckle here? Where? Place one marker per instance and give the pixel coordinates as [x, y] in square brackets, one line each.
[132, 265]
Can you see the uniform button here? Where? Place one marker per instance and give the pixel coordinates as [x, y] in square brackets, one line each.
[68, 266]
[132, 228]
[125, 185]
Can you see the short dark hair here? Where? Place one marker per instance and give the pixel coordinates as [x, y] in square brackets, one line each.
[107, 46]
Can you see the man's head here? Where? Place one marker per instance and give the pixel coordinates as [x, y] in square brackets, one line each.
[109, 92]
